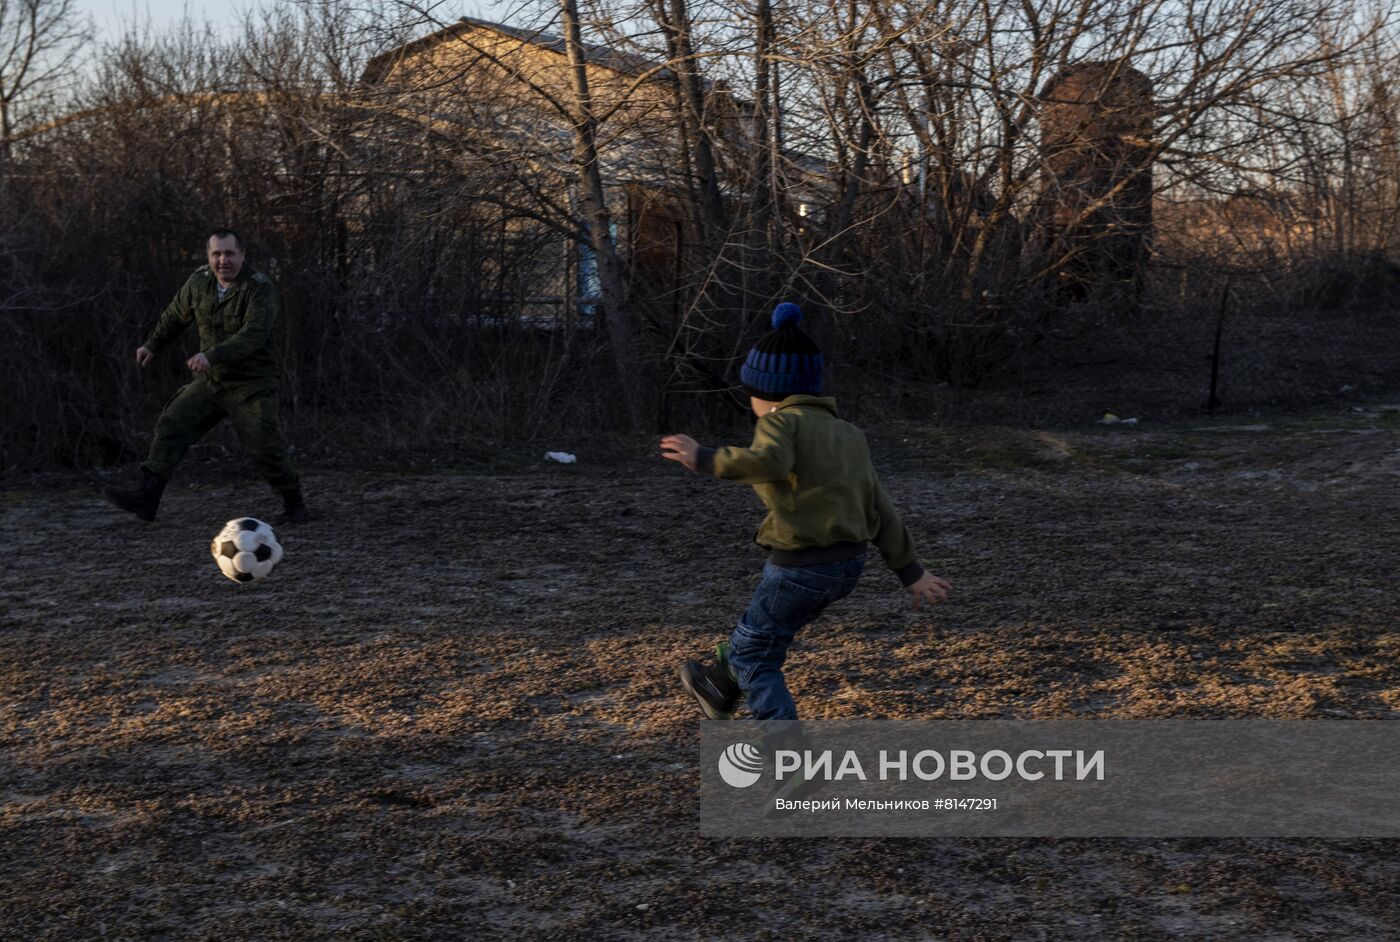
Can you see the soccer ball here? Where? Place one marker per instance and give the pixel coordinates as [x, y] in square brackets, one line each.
[246, 549]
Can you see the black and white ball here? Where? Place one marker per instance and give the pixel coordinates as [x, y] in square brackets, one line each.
[246, 549]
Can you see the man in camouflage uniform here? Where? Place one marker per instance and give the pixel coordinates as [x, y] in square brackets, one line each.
[235, 375]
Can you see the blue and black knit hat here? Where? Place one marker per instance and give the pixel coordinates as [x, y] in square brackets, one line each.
[784, 362]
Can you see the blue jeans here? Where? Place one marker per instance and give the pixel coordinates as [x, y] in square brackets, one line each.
[786, 599]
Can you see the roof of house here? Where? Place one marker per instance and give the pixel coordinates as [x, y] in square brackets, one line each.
[625, 63]
[606, 56]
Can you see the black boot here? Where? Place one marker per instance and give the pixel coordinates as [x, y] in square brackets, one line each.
[293, 509]
[144, 500]
[712, 685]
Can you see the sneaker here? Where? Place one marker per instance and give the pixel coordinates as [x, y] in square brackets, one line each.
[793, 787]
[796, 786]
[713, 685]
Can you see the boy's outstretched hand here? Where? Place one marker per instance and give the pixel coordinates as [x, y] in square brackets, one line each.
[682, 448]
[929, 588]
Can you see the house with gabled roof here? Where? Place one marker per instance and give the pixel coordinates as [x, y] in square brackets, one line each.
[504, 95]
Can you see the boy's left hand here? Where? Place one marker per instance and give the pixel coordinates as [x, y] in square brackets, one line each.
[929, 588]
[680, 448]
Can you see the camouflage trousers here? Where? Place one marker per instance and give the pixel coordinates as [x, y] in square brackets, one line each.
[198, 407]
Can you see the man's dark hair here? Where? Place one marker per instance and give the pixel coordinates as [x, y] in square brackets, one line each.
[224, 234]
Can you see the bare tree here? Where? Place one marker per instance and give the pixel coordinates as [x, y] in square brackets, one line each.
[622, 323]
[447, 206]
[39, 41]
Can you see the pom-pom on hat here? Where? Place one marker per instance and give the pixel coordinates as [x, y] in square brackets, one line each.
[784, 362]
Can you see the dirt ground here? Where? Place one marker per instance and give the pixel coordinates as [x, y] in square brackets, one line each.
[451, 712]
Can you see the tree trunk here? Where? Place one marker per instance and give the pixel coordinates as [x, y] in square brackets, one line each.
[758, 261]
[622, 321]
[691, 115]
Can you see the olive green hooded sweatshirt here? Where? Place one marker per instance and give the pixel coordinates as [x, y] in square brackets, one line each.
[812, 471]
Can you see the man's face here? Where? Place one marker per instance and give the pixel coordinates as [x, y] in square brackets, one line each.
[225, 258]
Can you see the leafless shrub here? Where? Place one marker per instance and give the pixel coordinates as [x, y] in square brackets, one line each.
[580, 220]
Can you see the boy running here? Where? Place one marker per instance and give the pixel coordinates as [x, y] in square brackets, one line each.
[825, 503]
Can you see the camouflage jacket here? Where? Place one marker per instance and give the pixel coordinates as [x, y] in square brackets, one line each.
[235, 334]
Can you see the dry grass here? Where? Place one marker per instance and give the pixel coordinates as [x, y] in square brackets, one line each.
[451, 712]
